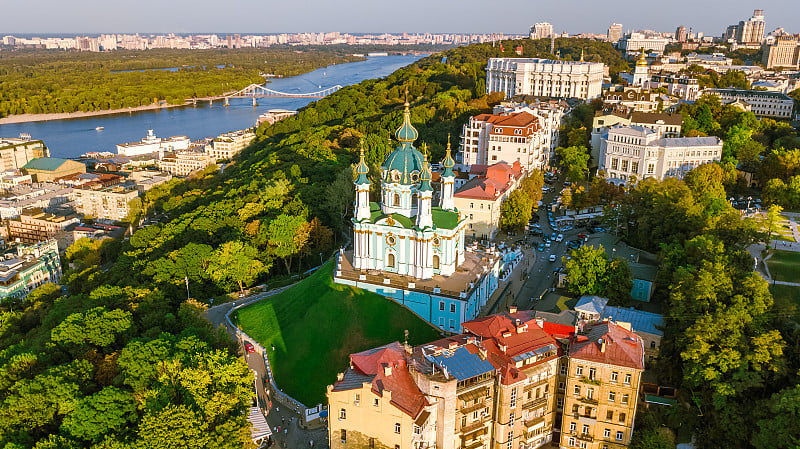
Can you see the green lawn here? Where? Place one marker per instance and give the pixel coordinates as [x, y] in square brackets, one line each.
[785, 266]
[317, 324]
[786, 297]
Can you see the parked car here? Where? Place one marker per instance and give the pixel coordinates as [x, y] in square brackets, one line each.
[583, 236]
[249, 347]
[541, 247]
[547, 244]
[553, 237]
[566, 228]
[560, 237]
[552, 257]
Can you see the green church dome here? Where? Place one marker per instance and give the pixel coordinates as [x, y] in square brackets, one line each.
[405, 163]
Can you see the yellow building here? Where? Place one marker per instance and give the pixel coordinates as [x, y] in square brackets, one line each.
[226, 146]
[16, 152]
[479, 200]
[45, 169]
[603, 375]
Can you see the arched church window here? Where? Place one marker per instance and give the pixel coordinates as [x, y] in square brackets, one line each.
[390, 260]
[396, 201]
[435, 262]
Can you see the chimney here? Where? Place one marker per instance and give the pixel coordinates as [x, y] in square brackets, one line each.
[340, 376]
[540, 322]
[602, 345]
[512, 309]
[387, 370]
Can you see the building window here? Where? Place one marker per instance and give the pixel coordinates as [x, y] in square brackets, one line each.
[441, 322]
[609, 415]
[627, 379]
[510, 443]
[560, 402]
[621, 417]
[619, 435]
[614, 163]
[344, 436]
[511, 419]
[441, 306]
[572, 427]
[358, 399]
[572, 441]
[624, 398]
[342, 414]
[390, 260]
[650, 169]
[590, 393]
[612, 396]
[563, 370]
[613, 376]
[452, 324]
[607, 433]
[577, 390]
[435, 262]
[579, 371]
[452, 308]
[585, 428]
[396, 202]
[417, 429]
[372, 443]
[653, 344]
[397, 427]
[375, 402]
[592, 373]
[513, 402]
[624, 165]
[561, 386]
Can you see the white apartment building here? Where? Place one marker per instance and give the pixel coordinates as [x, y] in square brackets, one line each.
[785, 52]
[762, 103]
[541, 31]
[614, 33]
[153, 144]
[228, 145]
[636, 42]
[637, 152]
[544, 78]
[516, 137]
[680, 85]
[550, 114]
[183, 163]
[109, 203]
[668, 125]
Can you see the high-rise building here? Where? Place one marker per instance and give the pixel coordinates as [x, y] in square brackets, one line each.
[748, 32]
[541, 30]
[544, 78]
[614, 33]
[681, 35]
[785, 52]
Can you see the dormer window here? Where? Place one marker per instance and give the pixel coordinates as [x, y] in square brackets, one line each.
[414, 176]
[395, 175]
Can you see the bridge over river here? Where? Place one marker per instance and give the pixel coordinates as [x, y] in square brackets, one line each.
[259, 91]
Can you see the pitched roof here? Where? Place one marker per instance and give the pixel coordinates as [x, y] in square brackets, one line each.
[622, 347]
[45, 163]
[386, 369]
[494, 182]
[653, 118]
[591, 304]
[641, 321]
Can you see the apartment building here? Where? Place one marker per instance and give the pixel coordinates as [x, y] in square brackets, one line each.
[549, 113]
[541, 30]
[637, 42]
[27, 267]
[105, 203]
[183, 163]
[501, 385]
[228, 145]
[515, 137]
[16, 152]
[669, 125]
[784, 53]
[614, 33]
[763, 103]
[637, 152]
[544, 78]
[480, 199]
[603, 373]
[35, 225]
[681, 85]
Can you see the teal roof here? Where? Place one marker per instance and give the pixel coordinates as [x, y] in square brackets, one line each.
[362, 169]
[448, 163]
[45, 163]
[406, 132]
[442, 219]
[406, 159]
[425, 177]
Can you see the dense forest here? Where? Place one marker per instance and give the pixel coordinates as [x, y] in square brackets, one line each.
[124, 361]
[44, 81]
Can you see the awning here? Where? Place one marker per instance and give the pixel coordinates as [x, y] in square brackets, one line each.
[261, 430]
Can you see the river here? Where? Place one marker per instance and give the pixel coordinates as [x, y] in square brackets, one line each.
[73, 137]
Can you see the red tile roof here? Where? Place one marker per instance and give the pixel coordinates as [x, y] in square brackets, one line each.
[622, 347]
[492, 184]
[513, 120]
[406, 396]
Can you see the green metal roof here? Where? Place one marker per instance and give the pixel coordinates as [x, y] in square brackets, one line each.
[45, 163]
[443, 218]
[653, 399]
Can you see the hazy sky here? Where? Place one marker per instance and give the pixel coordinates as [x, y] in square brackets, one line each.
[369, 16]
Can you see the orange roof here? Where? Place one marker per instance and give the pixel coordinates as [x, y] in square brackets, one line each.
[492, 184]
[406, 396]
[622, 347]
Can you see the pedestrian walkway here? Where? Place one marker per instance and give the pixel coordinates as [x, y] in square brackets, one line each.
[504, 297]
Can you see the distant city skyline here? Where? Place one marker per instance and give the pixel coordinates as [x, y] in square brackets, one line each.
[368, 16]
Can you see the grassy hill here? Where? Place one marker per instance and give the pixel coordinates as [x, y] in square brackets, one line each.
[316, 324]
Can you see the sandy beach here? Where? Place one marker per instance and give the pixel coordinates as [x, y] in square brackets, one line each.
[23, 118]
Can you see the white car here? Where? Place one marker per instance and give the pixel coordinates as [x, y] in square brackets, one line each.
[552, 257]
[560, 237]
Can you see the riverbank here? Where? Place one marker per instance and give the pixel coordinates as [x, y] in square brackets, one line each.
[26, 118]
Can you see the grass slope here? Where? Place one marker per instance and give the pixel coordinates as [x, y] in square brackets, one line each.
[317, 324]
[785, 266]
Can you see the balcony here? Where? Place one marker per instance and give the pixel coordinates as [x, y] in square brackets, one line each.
[477, 425]
[586, 400]
[582, 436]
[467, 410]
[534, 421]
[536, 403]
[586, 380]
[529, 387]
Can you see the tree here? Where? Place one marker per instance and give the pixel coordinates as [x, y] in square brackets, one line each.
[590, 272]
[771, 221]
[532, 186]
[781, 426]
[288, 235]
[101, 414]
[97, 326]
[516, 210]
[574, 159]
[134, 211]
[173, 427]
[235, 262]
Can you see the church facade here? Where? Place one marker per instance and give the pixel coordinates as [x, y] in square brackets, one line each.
[405, 233]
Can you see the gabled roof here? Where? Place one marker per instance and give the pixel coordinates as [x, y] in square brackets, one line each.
[385, 368]
[653, 118]
[495, 180]
[45, 163]
[591, 304]
[609, 343]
